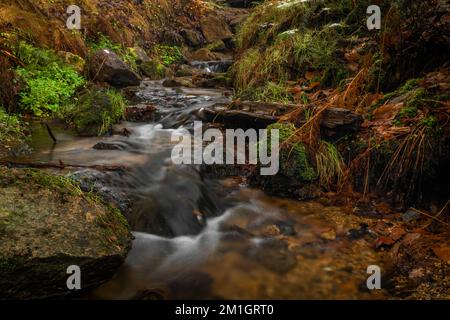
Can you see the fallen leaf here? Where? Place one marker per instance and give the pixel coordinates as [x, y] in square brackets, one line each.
[442, 253]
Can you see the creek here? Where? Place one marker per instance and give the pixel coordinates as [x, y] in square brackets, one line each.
[202, 238]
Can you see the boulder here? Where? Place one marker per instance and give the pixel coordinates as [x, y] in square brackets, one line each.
[185, 70]
[46, 225]
[212, 81]
[140, 113]
[141, 55]
[106, 66]
[215, 28]
[96, 111]
[178, 82]
[153, 70]
[204, 54]
[217, 46]
[296, 176]
[171, 38]
[192, 37]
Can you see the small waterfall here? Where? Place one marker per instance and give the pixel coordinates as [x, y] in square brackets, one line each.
[220, 66]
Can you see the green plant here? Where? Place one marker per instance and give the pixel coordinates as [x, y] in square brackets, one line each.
[168, 54]
[329, 164]
[49, 83]
[10, 125]
[103, 42]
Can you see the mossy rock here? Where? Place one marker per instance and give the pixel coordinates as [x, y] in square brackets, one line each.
[294, 160]
[296, 176]
[153, 69]
[96, 111]
[216, 46]
[48, 224]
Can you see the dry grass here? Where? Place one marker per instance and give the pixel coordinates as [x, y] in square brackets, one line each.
[43, 22]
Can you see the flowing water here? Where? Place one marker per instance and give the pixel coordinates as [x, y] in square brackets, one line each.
[211, 238]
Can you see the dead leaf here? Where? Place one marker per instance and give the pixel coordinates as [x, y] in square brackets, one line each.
[442, 253]
[314, 85]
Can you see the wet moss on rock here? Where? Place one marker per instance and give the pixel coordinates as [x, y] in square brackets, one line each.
[96, 111]
[51, 226]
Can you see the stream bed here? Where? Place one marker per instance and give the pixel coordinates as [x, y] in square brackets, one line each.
[202, 238]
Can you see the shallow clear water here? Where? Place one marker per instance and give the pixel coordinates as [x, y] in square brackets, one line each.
[223, 240]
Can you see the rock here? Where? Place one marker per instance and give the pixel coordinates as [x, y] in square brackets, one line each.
[216, 46]
[193, 37]
[237, 21]
[46, 225]
[153, 70]
[204, 54]
[328, 235]
[73, 60]
[140, 113]
[177, 82]
[141, 55]
[106, 66]
[296, 176]
[107, 146]
[101, 183]
[185, 70]
[215, 28]
[172, 38]
[343, 120]
[275, 255]
[239, 3]
[249, 114]
[212, 81]
[410, 215]
[96, 111]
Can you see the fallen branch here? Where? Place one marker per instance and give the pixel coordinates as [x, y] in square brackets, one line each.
[60, 165]
[50, 133]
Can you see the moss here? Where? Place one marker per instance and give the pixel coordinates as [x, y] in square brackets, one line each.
[34, 178]
[96, 111]
[265, 67]
[294, 159]
[153, 69]
[12, 130]
[28, 178]
[216, 46]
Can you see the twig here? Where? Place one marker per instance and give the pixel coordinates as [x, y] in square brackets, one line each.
[50, 133]
[430, 216]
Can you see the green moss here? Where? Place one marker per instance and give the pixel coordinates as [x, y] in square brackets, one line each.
[11, 128]
[153, 69]
[262, 71]
[294, 159]
[96, 111]
[41, 178]
[216, 46]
